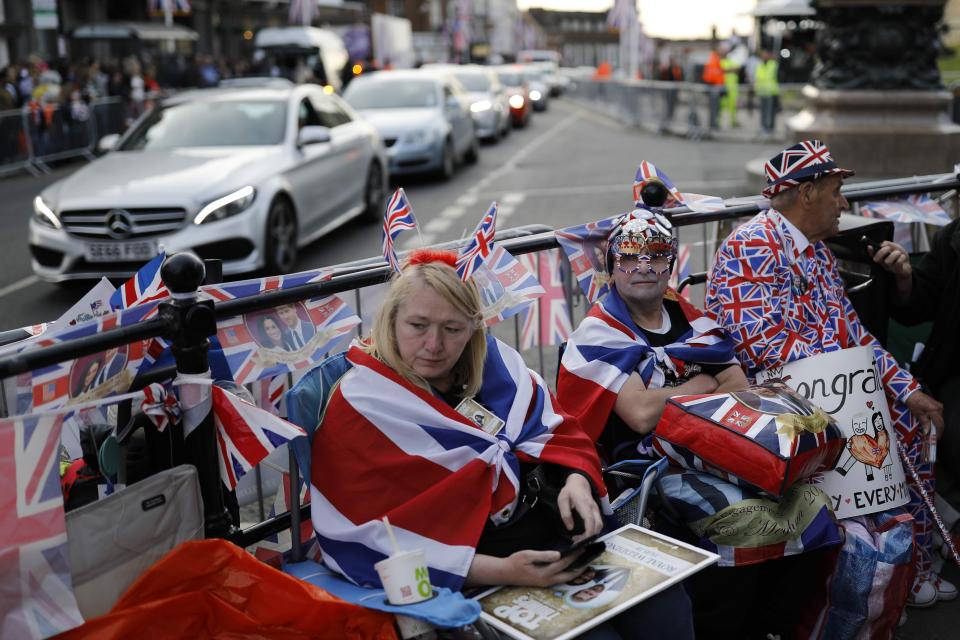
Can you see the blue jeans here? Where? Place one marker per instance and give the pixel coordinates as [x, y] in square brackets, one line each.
[666, 616]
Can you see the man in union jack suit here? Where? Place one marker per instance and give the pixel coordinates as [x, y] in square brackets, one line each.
[639, 345]
[776, 289]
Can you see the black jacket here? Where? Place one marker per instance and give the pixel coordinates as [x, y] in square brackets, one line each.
[936, 296]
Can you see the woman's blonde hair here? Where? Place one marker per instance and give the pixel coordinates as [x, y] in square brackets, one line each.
[442, 278]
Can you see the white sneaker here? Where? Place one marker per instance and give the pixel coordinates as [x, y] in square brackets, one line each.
[923, 594]
[946, 590]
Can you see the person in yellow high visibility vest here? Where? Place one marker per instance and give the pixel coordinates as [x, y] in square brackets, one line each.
[767, 88]
[731, 83]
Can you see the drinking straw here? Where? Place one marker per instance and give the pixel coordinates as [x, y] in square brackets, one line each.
[393, 538]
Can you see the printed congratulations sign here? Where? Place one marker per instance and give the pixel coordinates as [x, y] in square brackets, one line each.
[868, 476]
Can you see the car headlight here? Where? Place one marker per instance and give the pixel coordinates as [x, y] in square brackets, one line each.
[228, 205]
[535, 95]
[516, 101]
[418, 136]
[43, 214]
[482, 105]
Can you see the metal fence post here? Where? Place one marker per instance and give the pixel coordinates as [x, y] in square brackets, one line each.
[194, 322]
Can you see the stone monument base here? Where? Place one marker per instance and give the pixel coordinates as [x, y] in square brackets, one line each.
[881, 133]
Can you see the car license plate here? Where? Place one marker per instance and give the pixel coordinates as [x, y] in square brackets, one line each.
[121, 251]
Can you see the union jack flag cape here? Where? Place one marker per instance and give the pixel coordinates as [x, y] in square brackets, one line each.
[36, 599]
[608, 346]
[410, 456]
[397, 219]
[246, 434]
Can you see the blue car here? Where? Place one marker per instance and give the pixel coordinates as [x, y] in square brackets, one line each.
[423, 117]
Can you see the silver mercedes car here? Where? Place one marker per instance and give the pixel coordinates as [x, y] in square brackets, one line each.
[247, 175]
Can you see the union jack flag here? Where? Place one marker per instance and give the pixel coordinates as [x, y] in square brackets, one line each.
[646, 172]
[397, 219]
[907, 214]
[586, 249]
[506, 286]
[320, 322]
[246, 434]
[480, 245]
[37, 599]
[547, 320]
[145, 286]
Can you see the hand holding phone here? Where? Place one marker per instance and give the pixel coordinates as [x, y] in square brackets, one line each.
[869, 243]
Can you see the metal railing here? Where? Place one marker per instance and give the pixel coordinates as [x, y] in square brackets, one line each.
[188, 322]
[37, 134]
[688, 109]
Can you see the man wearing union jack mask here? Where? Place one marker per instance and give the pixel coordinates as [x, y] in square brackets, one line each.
[775, 287]
[442, 428]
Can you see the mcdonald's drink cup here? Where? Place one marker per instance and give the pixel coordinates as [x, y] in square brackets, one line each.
[405, 577]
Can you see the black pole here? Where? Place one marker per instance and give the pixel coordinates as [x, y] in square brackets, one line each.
[183, 273]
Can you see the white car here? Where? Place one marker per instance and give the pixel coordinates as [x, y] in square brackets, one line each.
[247, 175]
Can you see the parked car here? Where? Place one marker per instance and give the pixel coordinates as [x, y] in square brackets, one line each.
[247, 175]
[488, 98]
[423, 116]
[539, 89]
[518, 94]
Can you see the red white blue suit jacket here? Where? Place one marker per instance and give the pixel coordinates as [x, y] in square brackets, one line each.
[780, 305]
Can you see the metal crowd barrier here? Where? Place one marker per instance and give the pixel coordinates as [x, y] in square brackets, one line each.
[188, 322]
[36, 135]
[688, 109]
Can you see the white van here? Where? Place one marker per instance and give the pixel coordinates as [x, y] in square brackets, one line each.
[302, 54]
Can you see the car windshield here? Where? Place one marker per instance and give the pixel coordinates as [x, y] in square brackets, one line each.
[201, 123]
[510, 78]
[474, 81]
[391, 94]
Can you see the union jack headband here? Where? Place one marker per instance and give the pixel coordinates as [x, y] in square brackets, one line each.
[804, 161]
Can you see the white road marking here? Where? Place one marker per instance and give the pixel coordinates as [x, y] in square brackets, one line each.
[438, 225]
[19, 284]
[470, 196]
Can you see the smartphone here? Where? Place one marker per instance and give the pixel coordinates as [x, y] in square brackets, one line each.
[590, 553]
[573, 548]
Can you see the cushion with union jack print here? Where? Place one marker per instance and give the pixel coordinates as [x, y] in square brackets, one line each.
[765, 437]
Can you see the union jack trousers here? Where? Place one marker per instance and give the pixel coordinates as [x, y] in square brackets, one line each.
[781, 304]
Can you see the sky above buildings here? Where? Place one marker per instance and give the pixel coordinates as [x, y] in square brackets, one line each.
[671, 18]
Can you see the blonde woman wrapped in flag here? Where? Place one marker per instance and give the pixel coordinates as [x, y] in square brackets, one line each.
[439, 426]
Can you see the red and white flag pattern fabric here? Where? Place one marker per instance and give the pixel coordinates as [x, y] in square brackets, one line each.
[397, 219]
[547, 321]
[246, 434]
[586, 249]
[36, 595]
[146, 285]
[431, 460]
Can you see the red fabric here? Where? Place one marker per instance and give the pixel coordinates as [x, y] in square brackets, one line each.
[213, 589]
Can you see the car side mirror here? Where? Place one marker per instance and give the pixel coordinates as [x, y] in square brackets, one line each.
[313, 135]
[108, 142]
